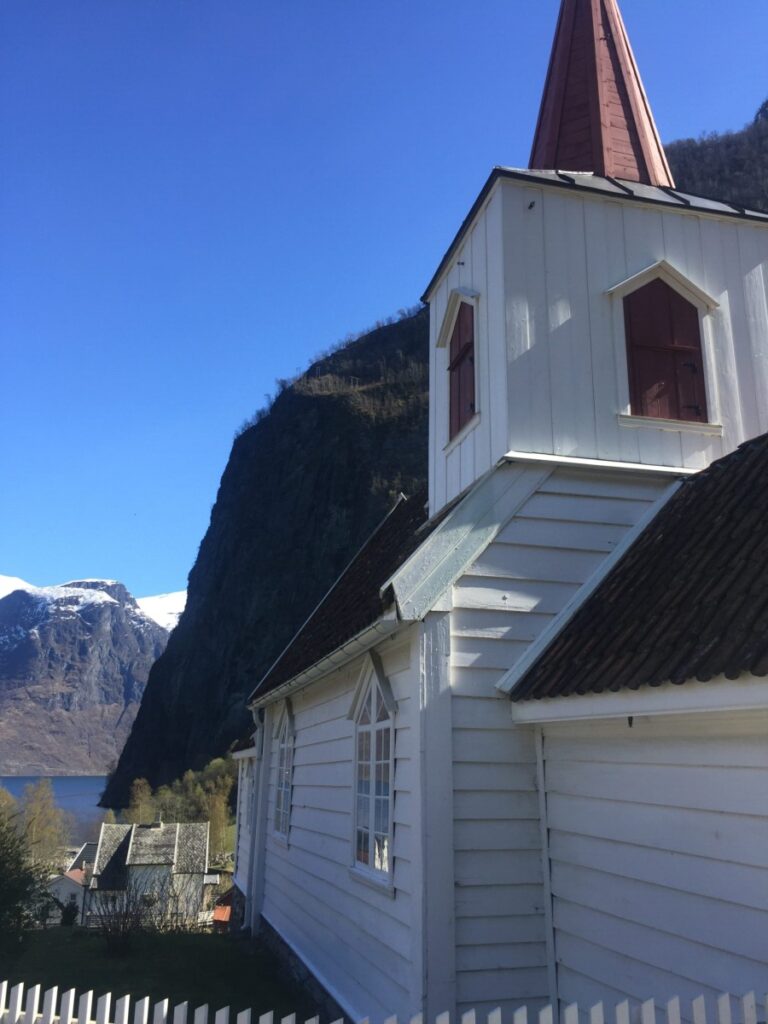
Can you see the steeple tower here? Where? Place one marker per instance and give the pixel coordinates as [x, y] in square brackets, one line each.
[594, 113]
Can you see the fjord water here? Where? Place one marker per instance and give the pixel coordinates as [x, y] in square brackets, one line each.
[78, 795]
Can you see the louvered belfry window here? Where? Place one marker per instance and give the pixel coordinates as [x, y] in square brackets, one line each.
[666, 369]
[461, 368]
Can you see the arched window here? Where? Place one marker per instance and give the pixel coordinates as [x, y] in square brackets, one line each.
[666, 368]
[282, 819]
[374, 741]
[461, 368]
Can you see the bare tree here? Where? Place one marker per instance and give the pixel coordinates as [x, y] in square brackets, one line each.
[146, 903]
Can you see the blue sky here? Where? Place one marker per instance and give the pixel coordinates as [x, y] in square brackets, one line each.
[197, 196]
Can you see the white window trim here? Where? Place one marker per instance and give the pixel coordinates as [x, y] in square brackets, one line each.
[455, 299]
[707, 307]
[372, 680]
[284, 728]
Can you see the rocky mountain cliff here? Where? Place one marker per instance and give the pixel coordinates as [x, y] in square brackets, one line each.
[305, 484]
[74, 661]
[303, 487]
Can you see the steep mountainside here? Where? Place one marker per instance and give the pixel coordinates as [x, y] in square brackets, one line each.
[304, 486]
[731, 166]
[74, 661]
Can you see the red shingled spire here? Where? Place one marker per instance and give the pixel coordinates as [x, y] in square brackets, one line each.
[594, 114]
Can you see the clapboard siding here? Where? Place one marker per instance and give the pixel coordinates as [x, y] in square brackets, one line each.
[658, 846]
[345, 930]
[539, 560]
[550, 348]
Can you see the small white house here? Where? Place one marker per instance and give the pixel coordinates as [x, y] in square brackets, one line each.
[70, 888]
[446, 805]
[164, 861]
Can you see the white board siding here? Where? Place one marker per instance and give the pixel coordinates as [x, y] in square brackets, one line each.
[453, 466]
[658, 844]
[565, 336]
[539, 560]
[551, 354]
[357, 939]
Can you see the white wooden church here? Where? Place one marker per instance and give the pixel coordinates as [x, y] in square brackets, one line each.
[519, 753]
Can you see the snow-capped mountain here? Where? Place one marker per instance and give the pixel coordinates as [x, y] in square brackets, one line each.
[10, 583]
[165, 609]
[74, 661]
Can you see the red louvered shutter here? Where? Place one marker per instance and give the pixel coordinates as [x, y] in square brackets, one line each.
[461, 369]
[666, 368]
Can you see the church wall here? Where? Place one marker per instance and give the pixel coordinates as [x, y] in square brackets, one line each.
[565, 341]
[355, 937]
[658, 850]
[553, 544]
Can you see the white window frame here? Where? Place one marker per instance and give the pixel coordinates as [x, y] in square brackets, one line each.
[707, 306]
[284, 747]
[455, 299]
[372, 686]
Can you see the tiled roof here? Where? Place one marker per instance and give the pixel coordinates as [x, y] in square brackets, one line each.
[113, 851]
[153, 844]
[85, 855]
[192, 856]
[354, 602]
[689, 600]
[183, 847]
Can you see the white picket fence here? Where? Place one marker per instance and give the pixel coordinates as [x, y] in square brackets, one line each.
[33, 1006]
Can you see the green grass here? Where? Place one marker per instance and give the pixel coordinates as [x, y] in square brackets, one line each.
[201, 968]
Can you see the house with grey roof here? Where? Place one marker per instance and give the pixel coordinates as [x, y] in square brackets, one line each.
[164, 865]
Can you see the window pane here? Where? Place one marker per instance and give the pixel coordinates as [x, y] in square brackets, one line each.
[382, 715]
[363, 846]
[364, 777]
[381, 853]
[363, 746]
[382, 780]
[381, 815]
[382, 744]
[363, 809]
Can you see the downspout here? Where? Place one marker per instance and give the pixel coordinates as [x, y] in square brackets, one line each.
[255, 896]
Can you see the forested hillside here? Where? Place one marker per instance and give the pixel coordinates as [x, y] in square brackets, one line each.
[731, 166]
[304, 486]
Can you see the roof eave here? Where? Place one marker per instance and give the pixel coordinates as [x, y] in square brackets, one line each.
[749, 693]
[563, 181]
[383, 627]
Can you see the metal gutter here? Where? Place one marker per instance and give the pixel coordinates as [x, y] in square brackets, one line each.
[384, 627]
[572, 460]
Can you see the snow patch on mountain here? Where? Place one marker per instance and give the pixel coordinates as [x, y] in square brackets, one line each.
[10, 583]
[165, 609]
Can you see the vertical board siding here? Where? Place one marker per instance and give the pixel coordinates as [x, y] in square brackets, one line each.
[539, 560]
[565, 344]
[356, 938]
[658, 842]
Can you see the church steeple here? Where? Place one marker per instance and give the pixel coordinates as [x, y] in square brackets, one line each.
[594, 113]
